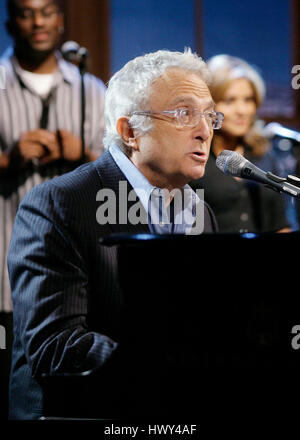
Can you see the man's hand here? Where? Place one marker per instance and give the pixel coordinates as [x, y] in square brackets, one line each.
[47, 146]
[39, 144]
[71, 145]
[4, 161]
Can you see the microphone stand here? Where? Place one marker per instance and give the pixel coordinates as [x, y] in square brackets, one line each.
[290, 184]
[78, 55]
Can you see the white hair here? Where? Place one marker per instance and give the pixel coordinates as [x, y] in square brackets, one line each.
[129, 89]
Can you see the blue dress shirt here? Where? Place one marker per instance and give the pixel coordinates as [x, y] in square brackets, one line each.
[176, 217]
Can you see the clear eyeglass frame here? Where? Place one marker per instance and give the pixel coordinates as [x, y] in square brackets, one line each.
[187, 117]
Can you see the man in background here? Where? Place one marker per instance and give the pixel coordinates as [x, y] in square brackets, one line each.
[40, 123]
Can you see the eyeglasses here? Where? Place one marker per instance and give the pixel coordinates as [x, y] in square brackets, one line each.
[188, 117]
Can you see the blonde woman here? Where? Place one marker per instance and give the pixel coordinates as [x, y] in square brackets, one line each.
[239, 205]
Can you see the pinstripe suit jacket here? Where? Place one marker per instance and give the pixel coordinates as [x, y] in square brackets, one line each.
[66, 298]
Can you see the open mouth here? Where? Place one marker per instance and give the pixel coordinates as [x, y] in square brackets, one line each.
[199, 155]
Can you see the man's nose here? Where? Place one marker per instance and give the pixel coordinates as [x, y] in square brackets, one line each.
[204, 128]
[38, 19]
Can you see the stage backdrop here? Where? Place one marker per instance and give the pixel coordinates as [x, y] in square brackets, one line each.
[258, 30]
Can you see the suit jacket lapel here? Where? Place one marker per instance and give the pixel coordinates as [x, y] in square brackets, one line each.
[113, 178]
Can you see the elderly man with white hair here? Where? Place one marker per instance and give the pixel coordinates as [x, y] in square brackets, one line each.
[67, 303]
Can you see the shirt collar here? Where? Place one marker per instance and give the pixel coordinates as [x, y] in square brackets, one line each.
[64, 72]
[144, 190]
[137, 180]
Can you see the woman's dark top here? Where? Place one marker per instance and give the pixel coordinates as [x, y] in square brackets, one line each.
[242, 205]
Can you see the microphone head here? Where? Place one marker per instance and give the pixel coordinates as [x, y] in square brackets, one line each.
[83, 52]
[69, 47]
[230, 162]
[270, 130]
[71, 51]
[274, 129]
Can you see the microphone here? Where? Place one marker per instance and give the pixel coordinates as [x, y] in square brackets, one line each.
[233, 163]
[274, 129]
[71, 51]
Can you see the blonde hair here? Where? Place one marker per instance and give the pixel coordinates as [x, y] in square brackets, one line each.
[224, 70]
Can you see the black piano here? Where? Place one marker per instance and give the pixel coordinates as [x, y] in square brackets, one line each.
[210, 321]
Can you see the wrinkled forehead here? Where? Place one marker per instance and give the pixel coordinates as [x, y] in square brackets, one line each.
[178, 86]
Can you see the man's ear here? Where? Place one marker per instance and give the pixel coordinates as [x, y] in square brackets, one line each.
[126, 132]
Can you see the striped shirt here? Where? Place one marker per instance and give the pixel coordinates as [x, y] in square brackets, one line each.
[21, 111]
